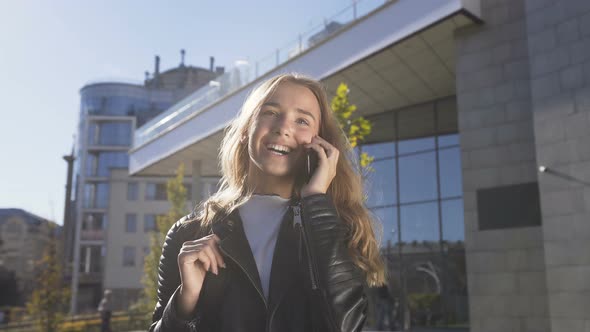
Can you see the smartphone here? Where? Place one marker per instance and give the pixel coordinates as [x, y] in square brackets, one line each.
[312, 164]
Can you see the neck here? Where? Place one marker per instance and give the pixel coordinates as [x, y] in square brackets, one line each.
[270, 185]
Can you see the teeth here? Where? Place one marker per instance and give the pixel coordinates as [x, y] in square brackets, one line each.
[279, 148]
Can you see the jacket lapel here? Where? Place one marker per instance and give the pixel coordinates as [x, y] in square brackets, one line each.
[235, 245]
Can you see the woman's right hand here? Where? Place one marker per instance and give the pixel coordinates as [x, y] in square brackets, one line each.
[194, 260]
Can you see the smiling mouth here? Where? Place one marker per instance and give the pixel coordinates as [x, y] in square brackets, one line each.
[278, 149]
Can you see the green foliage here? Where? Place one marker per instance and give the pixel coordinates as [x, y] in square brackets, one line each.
[177, 195]
[356, 129]
[49, 300]
[424, 306]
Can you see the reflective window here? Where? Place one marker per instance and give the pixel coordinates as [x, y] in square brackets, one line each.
[149, 223]
[130, 223]
[452, 220]
[387, 217]
[415, 145]
[419, 223]
[94, 221]
[96, 195]
[417, 177]
[380, 184]
[425, 267]
[132, 191]
[114, 133]
[448, 140]
[108, 160]
[380, 150]
[155, 191]
[102, 195]
[451, 184]
[128, 256]
[91, 164]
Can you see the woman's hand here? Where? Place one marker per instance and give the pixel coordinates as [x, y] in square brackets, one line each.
[194, 260]
[326, 169]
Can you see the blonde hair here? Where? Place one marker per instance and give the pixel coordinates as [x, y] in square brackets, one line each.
[346, 188]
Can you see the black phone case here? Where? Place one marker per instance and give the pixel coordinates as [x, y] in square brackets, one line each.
[312, 164]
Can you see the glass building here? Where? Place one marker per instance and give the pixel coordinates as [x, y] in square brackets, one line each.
[415, 194]
[109, 114]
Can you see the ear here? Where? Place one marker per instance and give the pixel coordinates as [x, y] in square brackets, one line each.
[243, 139]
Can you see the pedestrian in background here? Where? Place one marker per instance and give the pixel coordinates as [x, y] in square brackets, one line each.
[105, 309]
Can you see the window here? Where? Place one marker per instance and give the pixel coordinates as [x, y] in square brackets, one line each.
[132, 191]
[380, 185]
[131, 223]
[452, 220]
[149, 223]
[128, 256]
[388, 219]
[155, 191]
[108, 160]
[419, 223]
[451, 184]
[96, 195]
[417, 177]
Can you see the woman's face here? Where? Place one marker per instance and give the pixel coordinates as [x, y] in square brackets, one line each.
[289, 119]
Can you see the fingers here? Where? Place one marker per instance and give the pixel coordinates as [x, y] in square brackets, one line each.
[204, 251]
[328, 148]
[320, 151]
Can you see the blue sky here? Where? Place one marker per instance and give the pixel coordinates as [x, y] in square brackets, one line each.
[50, 49]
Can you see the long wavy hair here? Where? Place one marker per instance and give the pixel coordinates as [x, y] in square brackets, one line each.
[346, 188]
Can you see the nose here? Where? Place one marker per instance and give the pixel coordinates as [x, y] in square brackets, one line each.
[282, 126]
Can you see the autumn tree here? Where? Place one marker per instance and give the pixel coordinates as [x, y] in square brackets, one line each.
[356, 129]
[49, 300]
[177, 196]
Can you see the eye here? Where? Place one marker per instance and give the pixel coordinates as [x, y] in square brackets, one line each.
[303, 121]
[268, 112]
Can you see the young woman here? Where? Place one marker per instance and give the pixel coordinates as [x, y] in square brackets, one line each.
[275, 249]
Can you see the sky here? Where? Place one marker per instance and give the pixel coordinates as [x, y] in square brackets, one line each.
[50, 49]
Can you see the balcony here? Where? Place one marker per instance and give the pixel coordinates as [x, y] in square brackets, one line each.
[243, 73]
[91, 234]
[393, 54]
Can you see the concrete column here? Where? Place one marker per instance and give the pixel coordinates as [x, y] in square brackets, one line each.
[505, 264]
[558, 34]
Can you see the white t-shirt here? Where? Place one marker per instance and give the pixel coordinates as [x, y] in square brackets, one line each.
[261, 216]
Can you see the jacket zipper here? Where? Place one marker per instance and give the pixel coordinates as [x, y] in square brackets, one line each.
[297, 223]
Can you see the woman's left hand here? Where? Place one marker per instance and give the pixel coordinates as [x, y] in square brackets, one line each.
[326, 168]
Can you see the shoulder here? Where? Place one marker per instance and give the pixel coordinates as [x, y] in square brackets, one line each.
[187, 227]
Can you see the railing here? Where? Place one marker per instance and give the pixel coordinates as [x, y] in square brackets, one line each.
[92, 234]
[244, 72]
[120, 321]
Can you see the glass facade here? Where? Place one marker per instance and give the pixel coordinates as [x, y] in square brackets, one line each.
[110, 133]
[415, 193]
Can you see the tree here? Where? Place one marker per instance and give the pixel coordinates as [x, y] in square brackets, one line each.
[356, 129]
[49, 300]
[177, 196]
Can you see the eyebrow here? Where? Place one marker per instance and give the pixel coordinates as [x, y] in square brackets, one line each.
[275, 104]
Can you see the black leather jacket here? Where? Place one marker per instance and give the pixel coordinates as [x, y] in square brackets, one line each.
[314, 284]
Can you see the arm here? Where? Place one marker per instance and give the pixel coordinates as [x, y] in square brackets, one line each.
[340, 282]
[166, 316]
